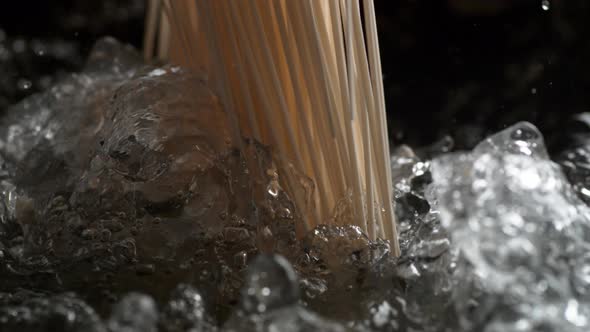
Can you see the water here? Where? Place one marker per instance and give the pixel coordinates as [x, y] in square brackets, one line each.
[30, 66]
[185, 311]
[522, 233]
[269, 301]
[134, 313]
[31, 311]
[126, 206]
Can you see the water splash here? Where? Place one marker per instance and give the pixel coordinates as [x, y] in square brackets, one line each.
[522, 231]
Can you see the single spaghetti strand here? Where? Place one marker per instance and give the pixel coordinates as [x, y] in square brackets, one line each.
[376, 72]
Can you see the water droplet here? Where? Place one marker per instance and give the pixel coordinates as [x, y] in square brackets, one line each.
[19, 46]
[24, 84]
[241, 258]
[271, 283]
[273, 188]
[157, 72]
[38, 48]
[525, 132]
[545, 4]
[185, 311]
[135, 312]
[265, 291]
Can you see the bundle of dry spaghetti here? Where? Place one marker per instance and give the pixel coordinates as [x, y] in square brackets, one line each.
[301, 76]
